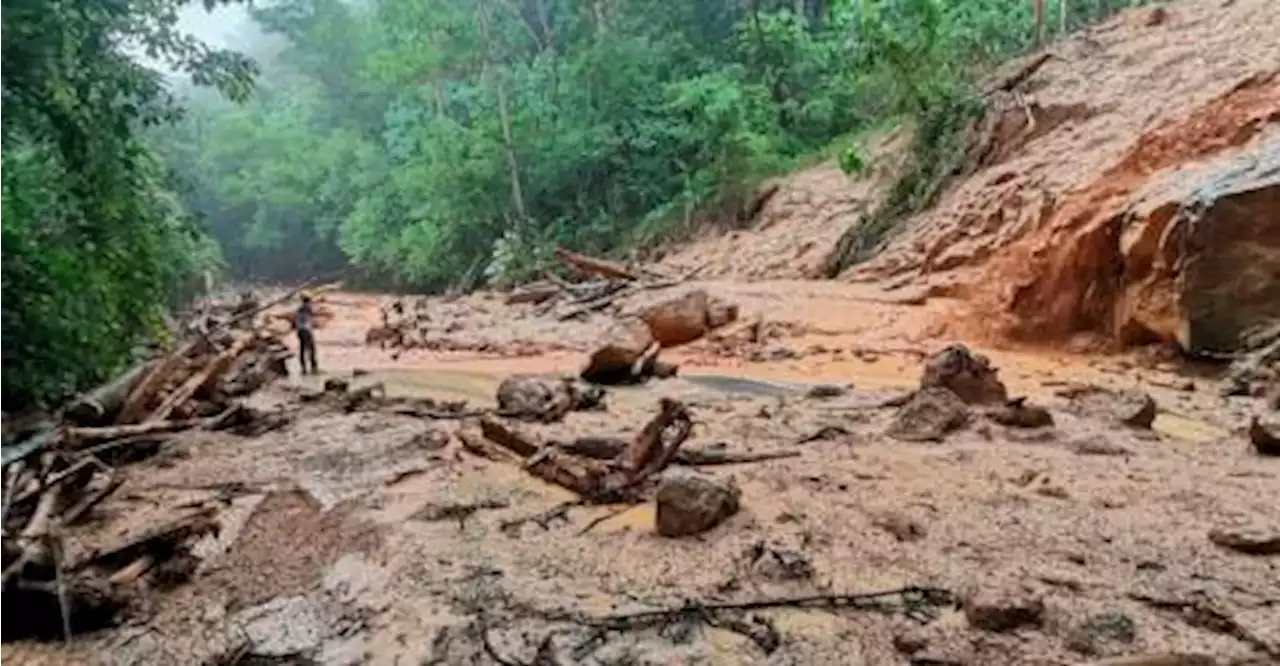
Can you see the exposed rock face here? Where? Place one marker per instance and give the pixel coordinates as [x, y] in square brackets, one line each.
[928, 416]
[1203, 267]
[971, 377]
[690, 503]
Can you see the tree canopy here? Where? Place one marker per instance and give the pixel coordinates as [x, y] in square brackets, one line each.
[435, 142]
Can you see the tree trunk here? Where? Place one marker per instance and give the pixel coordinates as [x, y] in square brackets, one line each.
[504, 115]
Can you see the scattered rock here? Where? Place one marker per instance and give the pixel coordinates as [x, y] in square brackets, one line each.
[822, 391]
[282, 627]
[779, 563]
[902, 527]
[687, 318]
[690, 503]
[1097, 446]
[1131, 408]
[625, 346]
[911, 641]
[1101, 633]
[545, 399]
[1249, 539]
[971, 377]
[928, 416]
[1018, 414]
[1264, 434]
[1003, 610]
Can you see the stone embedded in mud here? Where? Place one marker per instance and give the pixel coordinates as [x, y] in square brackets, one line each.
[544, 399]
[902, 527]
[1248, 539]
[1097, 446]
[1102, 632]
[971, 377]
[1264, 434]
[614, 361]
[1004, 609]
[1132, 408]
[687, 318]
[779, 563]
[1018, 414]
[690, 503]
[336, 385]
[823, 391]
[928, 416]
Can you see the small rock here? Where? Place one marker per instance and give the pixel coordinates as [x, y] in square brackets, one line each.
[1099, 633]
[1097, 446]
[779, 563]
[359, 372]
[928, 416]
[1054, 491]
[1249, 539]
[911, 640]
[1264, 434]
[1004, 609]
[1132, 408]
[1157, 17]
[1018, 414]
[902, 527]
[336, 385]
[689, 504]
[822, 391]
[971, 377]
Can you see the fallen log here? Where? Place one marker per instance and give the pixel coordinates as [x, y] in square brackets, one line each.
[100, 405]
[592, 266]
[83, 436]
[1009, 83]
[649, 454]
[534, 293]
[137, 400]
[158, 542]
[200, 380]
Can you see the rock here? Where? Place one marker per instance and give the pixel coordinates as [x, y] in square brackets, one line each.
[823, 391]
[1249, 539]
[1264, 434]
[1131, 408]
[970, 376]
[545, 399]
[779, 563]
[1201, 251]
[1003, 610]
[690, 503]
[1101, 632]
[282, 627]
[614, 361]
[902, 527]
[911, 641]
[928, 416]
[1097, 446]
[687, 318]
[336, 385]
[1018, 414]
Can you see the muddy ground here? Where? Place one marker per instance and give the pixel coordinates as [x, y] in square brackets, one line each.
[373, 538]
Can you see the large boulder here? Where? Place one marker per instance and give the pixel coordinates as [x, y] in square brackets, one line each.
[1201, 253]
[687, 318]
[928, 416]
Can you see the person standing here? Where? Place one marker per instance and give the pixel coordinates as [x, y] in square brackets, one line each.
[304, 321]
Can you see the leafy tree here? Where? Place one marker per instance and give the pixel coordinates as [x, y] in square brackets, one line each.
[94, 244]
[436, 142]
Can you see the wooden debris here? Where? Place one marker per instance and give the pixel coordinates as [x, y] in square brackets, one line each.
[585, 265]
[103, 403]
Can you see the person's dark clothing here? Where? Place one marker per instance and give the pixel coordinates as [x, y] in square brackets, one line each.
[303, 321]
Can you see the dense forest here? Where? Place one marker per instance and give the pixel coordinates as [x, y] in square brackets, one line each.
[425, 143]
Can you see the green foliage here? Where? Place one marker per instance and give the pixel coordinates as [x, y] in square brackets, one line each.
[852, 160]
[432, 142]
[95, 246]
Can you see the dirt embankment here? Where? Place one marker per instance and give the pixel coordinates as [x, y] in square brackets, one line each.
[1125, 190]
